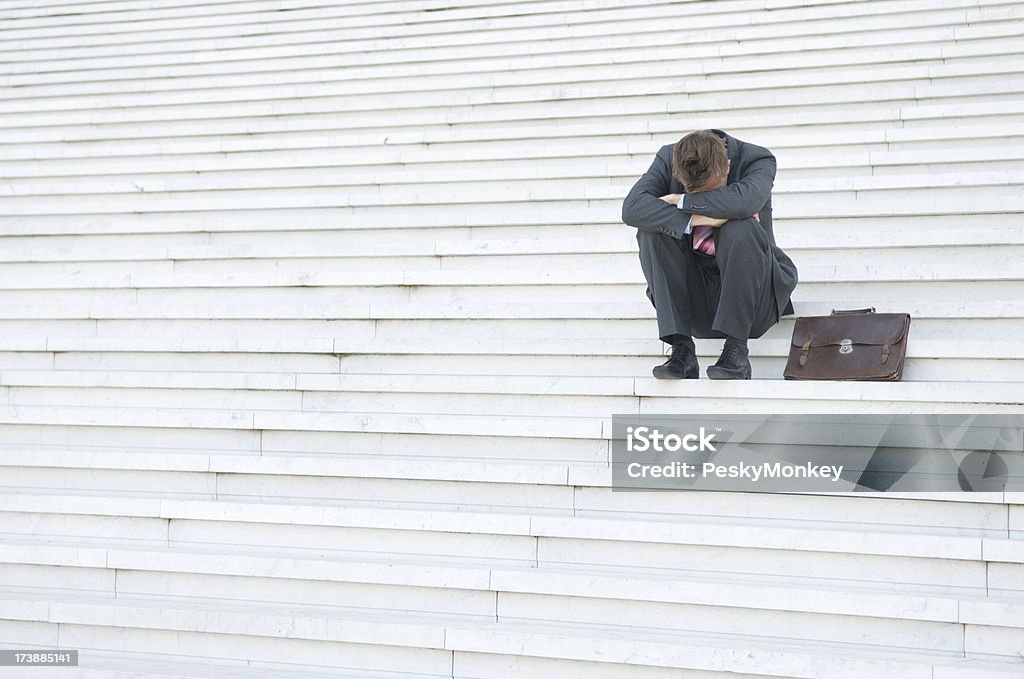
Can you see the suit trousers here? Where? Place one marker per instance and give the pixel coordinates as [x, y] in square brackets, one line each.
[730, 294]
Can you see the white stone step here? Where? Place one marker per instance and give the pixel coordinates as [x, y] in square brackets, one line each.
[420, 127]
[918, 368]
[126, 18]
[567, 157]
[346, 551]
[396, 341]
[850, 88]
[824, 199]
[691, 59]
[287, 313]
[795, 536]
[378, 422]
[93, 292]
[166, 247]
[578, 416]
[899, 66]
[654, 120]
[358, 189]
[269, 465]
[300, 20]
[84, 468]
[652, 116]
[461, 401]
[154, 216]
[457, 82]
[494, 330]
[530, 591]
[627, 133]
[386, 445]
[977, 360]
[795, 146]
[859, 269]
[239, 247]
[475, 314]
[285, 363]
[775, 593]
[19, 278]
[388, 642]
[101, 665]
[730, 19]
[263, 391]
[46, 10]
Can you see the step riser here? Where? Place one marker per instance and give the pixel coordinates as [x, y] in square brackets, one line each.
[200, 646]
[99, 528]
[536, 398]
[481, 496]
[682, 619]
[813, 565]
[391, 444]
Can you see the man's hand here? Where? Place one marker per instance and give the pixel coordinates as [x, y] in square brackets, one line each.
[704, 220]
[700, 220]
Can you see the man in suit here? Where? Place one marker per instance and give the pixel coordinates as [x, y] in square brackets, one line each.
[703, 214]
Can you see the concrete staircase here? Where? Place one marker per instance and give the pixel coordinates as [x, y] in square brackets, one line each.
[315, 316]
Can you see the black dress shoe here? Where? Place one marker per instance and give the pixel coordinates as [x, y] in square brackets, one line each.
[733, 364]
[681, 366]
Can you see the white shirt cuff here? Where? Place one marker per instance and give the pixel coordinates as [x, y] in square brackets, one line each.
[689, 225]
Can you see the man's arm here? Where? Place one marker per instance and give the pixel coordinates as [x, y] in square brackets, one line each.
[742, 198]
[701, 220]
[644, 209]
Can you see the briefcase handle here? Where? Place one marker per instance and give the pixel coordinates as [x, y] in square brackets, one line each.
[850, 312]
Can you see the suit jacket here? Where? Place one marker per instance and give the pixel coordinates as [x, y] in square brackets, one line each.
[748, 190]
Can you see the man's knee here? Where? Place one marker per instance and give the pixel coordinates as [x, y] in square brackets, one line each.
[746, 228]
[741, 233]
[658, 245]
[645, 236]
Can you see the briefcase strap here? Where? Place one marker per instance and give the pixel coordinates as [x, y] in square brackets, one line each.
[806, 350]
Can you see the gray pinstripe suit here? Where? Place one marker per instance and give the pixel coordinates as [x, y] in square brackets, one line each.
[741, 291]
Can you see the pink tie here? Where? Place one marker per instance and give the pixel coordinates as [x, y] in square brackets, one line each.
[703, 241]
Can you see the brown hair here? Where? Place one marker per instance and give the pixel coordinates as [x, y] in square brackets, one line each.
[698, 158]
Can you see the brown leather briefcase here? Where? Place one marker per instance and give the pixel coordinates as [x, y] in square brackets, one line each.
[849, 345]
